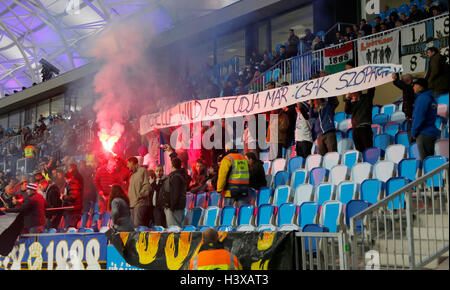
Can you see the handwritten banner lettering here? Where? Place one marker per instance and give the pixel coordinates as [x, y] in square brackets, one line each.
[348, 81]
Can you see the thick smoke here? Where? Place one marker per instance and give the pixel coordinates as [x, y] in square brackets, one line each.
[127, 81]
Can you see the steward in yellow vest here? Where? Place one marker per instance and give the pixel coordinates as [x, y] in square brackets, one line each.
[30, 151]
[212, 255]
[233, 179]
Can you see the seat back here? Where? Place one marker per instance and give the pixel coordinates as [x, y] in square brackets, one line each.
[393, 185]
[280, 178]
[371, 190]
[380, 119]
[313, 161]
[339, 116]
[318, 175]
[189, 200]
[194, 216]
[298, 177]
[215, 199]
[382, 141]
[361, 171]
[225, 229]
[429, 164]
[372, 155]
[395, 153]
[383, 170]
[441, 148]
[346, 191]
[286, 214]
[295, 163]
[344, 125]
[278, 165]
[246, 215]
[200, 199]
[344, 145]
[402, 138]
[282, 195]
[331, 159]
[398, 117]
[391, 129]
[307, 213]
[265, 214]
[409, 168]
[266, 165]
[413, 151]
[212, 216]
[313, 242]
[228, 216]
[331, 215]
[323, 192]
[388, 109]
[264, 196]
[352, 208]
[338, 174]
[303, 193]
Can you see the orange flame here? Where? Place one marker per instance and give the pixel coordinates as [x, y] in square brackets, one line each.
[108, 141]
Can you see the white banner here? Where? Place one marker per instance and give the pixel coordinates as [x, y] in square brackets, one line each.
[413, 48]
[348, 81]
[379, 49]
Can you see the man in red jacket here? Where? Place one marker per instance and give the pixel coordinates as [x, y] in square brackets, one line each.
[72, 198]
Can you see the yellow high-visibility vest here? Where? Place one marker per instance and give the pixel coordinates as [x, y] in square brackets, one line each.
[29, 151]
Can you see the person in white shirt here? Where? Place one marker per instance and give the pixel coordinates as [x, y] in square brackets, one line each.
[303, 133]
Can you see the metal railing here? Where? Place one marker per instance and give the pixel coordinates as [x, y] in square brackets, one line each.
[407, 229]
[321, 251]
[305, 65]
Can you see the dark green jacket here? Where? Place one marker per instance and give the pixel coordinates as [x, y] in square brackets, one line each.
[438, 74]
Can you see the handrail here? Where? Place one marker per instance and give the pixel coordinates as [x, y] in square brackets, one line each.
[402, 190]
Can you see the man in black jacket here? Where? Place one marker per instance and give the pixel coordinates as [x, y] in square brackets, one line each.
[33, 208]
[53, 197]
[360, 106]
[159, 217]
[406, 85]
[174, 194]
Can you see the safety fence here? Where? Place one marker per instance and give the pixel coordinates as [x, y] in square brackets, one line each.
[405, 45]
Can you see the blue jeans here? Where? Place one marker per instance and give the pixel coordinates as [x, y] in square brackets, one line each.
[91, 210]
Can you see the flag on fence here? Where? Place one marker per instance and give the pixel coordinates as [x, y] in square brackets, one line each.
[11, 224]
[336, 58]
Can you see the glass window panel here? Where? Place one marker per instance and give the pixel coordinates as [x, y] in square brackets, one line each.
[58, 105]
[43, 108]
[230, 45]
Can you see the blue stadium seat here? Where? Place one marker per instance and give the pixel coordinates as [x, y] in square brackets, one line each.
[393, 185]
[380, 119]
[351, 157]
[313, 228]
[307, 213]
[295, 163]
[323, 192]
[350, 133]
[189, 200]
[189, 228]
[228, 216]
[346, 191]
[440, 122]
[286, 214]
[225, 229]
[211, 216]
[382, 141]
[215, 199]
[352, 208]
[303, 193]
[300, 176]
[344, 125]
[338, 174]
[443, 99]
[429, 164]
[402, 138]
[264, 196]
[318, 175]
[266, 166]
[194, 216]
[372, 190]
[339, 116]
[339, 135]
[376, 129]
[373, 155]
[413, 151]
[375, 111]
[276, 74]
[203, 228]
[441, 148]
[157, 229]
[331, 159]
[252, 195]
[280, 178]
[246, 215]
[265, 214]
[409, 168]
[391, 129]
[398, 117]
[331, 215]
[388, 109]
[200, 199]
[282, 194]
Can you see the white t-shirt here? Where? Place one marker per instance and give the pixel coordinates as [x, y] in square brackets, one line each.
[302, 129]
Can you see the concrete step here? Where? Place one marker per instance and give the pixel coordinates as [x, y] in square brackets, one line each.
[419, 247]
[437, 220]
[423, 234]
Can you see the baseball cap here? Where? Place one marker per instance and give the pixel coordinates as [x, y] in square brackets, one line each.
[422, 82]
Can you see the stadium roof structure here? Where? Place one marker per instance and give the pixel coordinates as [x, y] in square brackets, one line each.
[54, 30]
